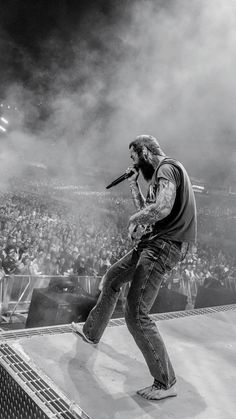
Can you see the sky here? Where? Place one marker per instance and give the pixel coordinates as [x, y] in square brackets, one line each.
[87, 77]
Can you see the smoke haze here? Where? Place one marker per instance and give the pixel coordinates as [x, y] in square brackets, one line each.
[148, 67]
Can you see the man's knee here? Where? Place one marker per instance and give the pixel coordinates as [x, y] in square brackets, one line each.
[102, 282]
[109, 283]
[136, 314]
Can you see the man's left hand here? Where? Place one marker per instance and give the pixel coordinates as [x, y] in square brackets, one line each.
[136, 231]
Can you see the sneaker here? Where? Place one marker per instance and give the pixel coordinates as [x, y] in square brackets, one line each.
[78, 328]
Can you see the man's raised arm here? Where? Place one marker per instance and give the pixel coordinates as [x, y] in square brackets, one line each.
[152, 213]
[138, 198]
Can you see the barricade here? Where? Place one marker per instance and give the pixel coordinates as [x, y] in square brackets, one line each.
[16, 290]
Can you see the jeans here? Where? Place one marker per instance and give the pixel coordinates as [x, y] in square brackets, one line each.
[144, 267]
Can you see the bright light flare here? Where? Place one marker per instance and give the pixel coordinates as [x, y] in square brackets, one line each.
[2, 128]
[198, 188]
[4, 120]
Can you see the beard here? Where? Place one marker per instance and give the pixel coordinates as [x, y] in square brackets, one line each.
[146, 168]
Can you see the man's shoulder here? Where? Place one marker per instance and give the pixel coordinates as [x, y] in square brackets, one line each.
[170, 170]
[170, 163]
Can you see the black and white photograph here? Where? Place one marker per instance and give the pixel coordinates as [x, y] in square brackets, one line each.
[117, 209]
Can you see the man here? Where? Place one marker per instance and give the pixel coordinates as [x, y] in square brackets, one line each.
[103, 262]
[11, 264]
[2, 252]
[168, 220]
[81, 269]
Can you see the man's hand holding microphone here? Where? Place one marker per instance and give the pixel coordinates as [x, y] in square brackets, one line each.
[135, 231]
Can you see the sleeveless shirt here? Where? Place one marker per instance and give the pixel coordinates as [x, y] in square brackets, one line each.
[181, 224]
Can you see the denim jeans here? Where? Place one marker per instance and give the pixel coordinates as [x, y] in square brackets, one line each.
[144, 267]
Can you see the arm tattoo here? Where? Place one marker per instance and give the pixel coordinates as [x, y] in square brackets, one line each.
[165, 199]
[138, 198]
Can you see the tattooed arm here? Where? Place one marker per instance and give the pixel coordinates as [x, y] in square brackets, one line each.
[161, 208]
[138, 198]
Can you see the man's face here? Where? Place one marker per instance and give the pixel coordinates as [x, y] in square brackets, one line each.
[134, 156]
[141, 162]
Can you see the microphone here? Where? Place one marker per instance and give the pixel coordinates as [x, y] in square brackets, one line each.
[120, 179]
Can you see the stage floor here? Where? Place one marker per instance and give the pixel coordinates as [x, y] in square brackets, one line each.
[103, 380]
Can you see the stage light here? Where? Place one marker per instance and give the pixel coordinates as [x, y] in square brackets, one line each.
[2, 128]
[198, 188]
[4, 120]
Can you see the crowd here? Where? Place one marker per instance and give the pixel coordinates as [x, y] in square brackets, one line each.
[41, 235]
[216, 220]
[209, 266]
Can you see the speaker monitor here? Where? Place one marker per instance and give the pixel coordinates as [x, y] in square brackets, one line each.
[49, 308]
[168, 300]
[210, 297]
